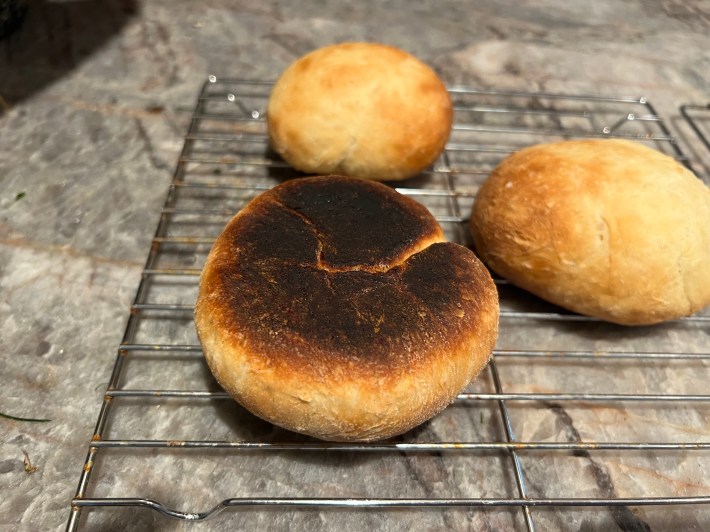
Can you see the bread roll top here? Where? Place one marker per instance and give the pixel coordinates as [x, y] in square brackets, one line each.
[333, 306]
[604, 227]
[315, 270]
[360, 109]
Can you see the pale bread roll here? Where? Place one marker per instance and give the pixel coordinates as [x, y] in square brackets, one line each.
[332, 306]
[359, 109]
[607, 228]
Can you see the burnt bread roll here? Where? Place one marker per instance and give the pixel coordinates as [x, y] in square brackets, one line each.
[607, 228]
[333, 306]
[359, 109]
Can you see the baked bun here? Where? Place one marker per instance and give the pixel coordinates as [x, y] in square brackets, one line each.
[359, 109]
[608, 228]
[332, 306]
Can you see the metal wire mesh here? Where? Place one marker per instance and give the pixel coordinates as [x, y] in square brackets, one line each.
[575, 422]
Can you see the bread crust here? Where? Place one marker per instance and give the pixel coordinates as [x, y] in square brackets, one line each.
[606, 227]
[359, 109]
[344, 340]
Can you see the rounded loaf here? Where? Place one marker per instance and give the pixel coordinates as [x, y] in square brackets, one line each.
[332, 306]
[608, 228]
[359, 109]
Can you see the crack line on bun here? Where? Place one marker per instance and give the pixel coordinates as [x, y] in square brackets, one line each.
[422, 243]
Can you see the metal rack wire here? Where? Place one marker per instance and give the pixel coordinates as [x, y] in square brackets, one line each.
[698, 117]
[575, 423]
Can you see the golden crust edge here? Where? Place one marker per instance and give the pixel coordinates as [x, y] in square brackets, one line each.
[349, 410]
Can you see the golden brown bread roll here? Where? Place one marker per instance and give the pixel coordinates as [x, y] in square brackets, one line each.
[359, 109]
[332, 306]
[607, 228]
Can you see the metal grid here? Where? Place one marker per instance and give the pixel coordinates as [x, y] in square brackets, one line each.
[698, 118]
[565, 428]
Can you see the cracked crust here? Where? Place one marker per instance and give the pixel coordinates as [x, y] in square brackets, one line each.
[607, 228]
[333, 306]
[360, 109]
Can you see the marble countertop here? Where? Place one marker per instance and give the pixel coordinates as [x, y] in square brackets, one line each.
[95, 99]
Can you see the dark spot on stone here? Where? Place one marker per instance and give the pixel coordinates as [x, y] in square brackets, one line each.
[20, 439]
[43, 348]
[511, 68]
[8, 466]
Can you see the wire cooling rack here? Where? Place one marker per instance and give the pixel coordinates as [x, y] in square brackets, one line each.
[575, 424]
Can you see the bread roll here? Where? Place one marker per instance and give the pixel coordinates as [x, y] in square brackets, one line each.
[359, 109]
[608, 228]
[332, 306]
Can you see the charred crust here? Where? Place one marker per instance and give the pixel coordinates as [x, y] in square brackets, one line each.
[330, 272]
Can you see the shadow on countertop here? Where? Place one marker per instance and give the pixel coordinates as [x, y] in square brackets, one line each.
[41, 41]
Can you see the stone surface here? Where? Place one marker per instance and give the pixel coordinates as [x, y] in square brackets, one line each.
[96, 98]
